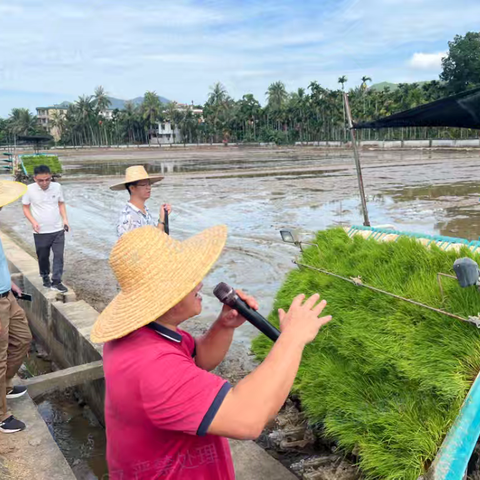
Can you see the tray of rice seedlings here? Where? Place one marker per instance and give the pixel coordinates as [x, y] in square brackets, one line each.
[27, 164]
[386, 378]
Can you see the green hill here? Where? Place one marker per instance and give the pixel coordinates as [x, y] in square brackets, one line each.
[392, 86]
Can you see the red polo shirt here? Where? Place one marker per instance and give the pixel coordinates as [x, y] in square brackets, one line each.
[158, 408]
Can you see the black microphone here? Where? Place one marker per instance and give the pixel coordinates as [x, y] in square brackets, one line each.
[228, 296]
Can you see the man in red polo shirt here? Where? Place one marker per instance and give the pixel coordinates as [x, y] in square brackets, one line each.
[166, 416]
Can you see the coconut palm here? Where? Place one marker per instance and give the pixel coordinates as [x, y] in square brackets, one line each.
[218, 94]
[249, 112]
[22, 121]
[86, 116]
[276, 95]
[365, 79]
[151, 109]
[216, 110]
[364, 87]
[57, 123]
[343, 80]
[102, 102]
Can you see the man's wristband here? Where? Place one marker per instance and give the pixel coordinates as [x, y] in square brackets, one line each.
[160, 222]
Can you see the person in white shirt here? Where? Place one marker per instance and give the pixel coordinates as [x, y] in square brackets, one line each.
[44, 207]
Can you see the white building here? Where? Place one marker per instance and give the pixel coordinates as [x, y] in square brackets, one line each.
[45, 115]
[166, 134]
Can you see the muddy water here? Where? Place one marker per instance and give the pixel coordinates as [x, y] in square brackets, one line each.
[255, 193]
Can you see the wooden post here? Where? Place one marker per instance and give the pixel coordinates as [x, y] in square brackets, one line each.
[366, 221]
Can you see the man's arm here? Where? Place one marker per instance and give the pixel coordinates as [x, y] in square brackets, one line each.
[29, 216]
[212, 347]
[63, 213]
[257, 398]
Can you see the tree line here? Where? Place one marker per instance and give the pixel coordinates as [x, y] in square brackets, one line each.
[314, 113]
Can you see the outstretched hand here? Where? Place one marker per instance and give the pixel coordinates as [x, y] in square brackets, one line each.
[302, 321]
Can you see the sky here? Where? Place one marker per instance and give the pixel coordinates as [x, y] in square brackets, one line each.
[55, 50]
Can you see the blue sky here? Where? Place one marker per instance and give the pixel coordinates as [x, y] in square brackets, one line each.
[54, 50]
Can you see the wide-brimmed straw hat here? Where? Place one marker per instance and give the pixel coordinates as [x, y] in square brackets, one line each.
[135, 174]
[155, 272]
[10, 191]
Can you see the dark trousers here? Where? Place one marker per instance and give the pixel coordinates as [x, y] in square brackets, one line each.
[44, 242]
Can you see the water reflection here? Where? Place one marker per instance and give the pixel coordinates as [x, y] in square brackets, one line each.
[454, 209]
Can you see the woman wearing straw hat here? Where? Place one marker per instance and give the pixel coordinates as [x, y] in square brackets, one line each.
[136, 214]
[166, 415]
[15, 336]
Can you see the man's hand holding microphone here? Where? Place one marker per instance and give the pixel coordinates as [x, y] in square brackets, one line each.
[256, 399]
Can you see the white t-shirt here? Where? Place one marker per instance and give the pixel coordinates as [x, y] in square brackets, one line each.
[44, 206]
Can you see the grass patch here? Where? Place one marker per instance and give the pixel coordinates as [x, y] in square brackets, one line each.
[384, 377]
[32, 161]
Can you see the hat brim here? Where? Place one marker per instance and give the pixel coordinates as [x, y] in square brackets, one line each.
[10, 191]
[152, 178]
[130, 311]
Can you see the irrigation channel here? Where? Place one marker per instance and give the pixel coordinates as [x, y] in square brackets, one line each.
[255, 192]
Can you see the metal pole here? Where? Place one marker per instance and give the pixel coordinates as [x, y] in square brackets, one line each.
[366, 221]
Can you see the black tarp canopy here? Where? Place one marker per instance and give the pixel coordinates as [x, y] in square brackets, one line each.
[461, 110]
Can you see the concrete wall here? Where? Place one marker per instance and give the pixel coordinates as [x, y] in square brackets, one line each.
[399, 144]
[58, 321]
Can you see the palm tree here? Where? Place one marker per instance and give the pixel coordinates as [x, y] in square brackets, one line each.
[173, 116]
[57, 124]
[102, 102]
[22, 121]
[85, 111]
[249, 111]
[365, 79]
[129, 119]
[363, 86]
[276, 95]
[151, 109]
[218, 94]
[343, 80]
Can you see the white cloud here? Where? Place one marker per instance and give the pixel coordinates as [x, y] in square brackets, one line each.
[427, 61]
[179, 48]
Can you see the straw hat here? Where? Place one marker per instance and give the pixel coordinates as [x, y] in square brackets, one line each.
[10, 191]
[155, 272]
[135, 174]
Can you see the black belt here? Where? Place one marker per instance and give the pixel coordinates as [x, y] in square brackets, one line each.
[3, 295]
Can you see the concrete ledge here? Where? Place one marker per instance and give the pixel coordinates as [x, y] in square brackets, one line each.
[416, 143]
[33, 453]
[252, 462]
[62, 379]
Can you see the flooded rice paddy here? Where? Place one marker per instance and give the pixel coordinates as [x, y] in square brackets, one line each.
[255, 192]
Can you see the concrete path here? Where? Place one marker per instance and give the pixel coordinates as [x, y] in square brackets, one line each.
[31, 454]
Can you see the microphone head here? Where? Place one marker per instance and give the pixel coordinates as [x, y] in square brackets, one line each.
[224, 293]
